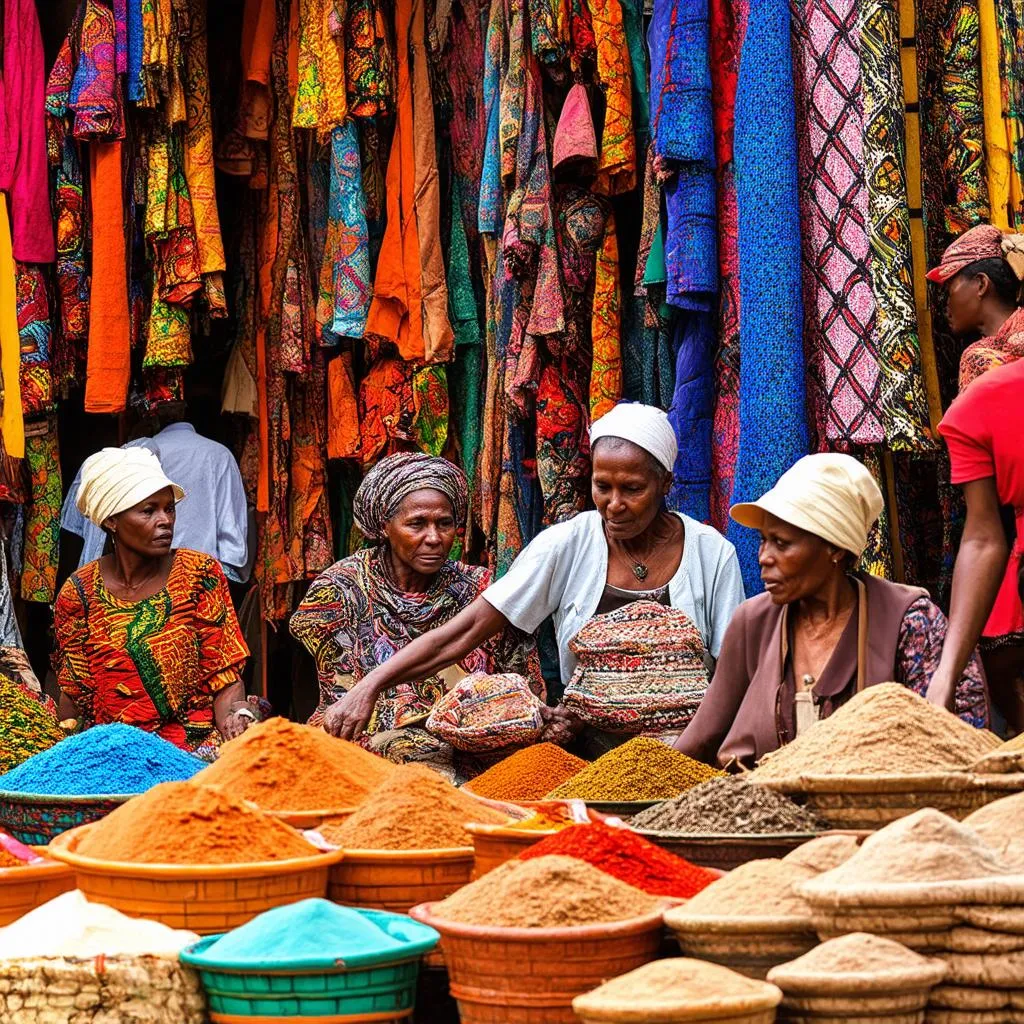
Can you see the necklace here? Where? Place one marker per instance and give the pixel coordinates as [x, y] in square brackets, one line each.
[638, 566]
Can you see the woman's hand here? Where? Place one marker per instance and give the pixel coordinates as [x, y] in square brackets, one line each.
[349, 717]
[561, 726]
[237, 722]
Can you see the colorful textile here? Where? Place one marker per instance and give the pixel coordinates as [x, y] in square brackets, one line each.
[385, 407]
[606, 326]
[1010, 19]
[616, 166]
[563, 447]
[354, 618]
[156, 663]
[12, 423]
[488, 712]
[369, 68]
[42, 527]
[988, 353]
[320, 98]
[773, 433]
[690, 415]
[95, 98]
[1004, 186]
[430, 409]
[34, 331]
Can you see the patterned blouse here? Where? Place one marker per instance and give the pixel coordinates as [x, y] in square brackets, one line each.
[155, 663]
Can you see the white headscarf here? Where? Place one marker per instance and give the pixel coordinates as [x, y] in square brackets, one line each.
[830, 495]
[115, 479]
[643, 425]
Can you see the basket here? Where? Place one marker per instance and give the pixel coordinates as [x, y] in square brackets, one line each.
[24, 889]
[532, 975]
[756, 1017]
[36, 818]
[621, 808]
[728, 850]
[372, 987]
[203, 898]
[753, 953]
[494, 845]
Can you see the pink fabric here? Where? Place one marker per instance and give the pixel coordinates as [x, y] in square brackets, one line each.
[23, 168]
[575, 138]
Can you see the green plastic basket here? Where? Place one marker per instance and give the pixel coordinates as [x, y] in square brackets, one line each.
[374, 986]
[36, 818]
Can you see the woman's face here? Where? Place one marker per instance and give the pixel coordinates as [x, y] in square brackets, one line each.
[421, 533]
[146, 529]
[964, 296]
[628, 488]
[794, 563]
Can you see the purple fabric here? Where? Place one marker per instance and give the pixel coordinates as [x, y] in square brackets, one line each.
[690, 415]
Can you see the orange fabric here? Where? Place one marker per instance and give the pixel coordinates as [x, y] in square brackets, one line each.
[267, 247]
[108, 359]
[342, 409]
[606, 326]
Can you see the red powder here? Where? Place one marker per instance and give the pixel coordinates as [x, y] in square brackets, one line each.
[628, 857]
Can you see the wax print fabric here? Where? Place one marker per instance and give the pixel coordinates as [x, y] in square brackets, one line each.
[42, 525]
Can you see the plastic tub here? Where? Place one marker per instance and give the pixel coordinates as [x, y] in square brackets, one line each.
[36, 818]
[204, 898]
[24, 889]
[532, 975]
[493, 845]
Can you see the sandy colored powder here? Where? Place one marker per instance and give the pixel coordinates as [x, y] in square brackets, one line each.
[284, 766]
[527, 774]
[824, 853]
[415, 809]
[886, 729]
[549, 892]
[759, 888]
[859, 953]
[185, 823]
[677, 981]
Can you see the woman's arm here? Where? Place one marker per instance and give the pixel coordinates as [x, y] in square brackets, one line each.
[422, 658]
[225, 715]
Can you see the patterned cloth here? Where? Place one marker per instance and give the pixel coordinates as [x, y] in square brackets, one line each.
[369, 66]
[95, 93]
[42, 525]
[34, 331]
[1010, 19]
[691, 413]
[606, 326]
[156, 663]
[1003, 347]
[353, 618]
[616, 166]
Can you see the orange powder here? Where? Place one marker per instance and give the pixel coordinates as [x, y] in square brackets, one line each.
[8, 860]
[183, 823]
[528, 774]
[283, 766]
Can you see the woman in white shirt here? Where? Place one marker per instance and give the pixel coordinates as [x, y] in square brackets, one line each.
[631, 548]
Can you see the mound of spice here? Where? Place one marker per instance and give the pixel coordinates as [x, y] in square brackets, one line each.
[824, 853]
[641, 769]
[185, 823]
[105, 759]
[28, 724]
[548, 892]
[626, 856]
[759, 888]
[8, 860]
[415, 809]
[527, 774]
[728, 805]
[541, 822]
[284, 766]
[884, 730]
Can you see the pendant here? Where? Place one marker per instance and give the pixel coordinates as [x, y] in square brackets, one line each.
[640, 571]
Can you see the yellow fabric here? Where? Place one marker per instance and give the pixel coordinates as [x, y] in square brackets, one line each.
[11, 422]
[997, 153]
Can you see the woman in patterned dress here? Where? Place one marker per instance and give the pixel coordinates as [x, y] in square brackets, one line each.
[147, 635]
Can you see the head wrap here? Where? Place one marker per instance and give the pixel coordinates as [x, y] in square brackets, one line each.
[982, 242]
[115, 479]
[830, 495]
[642, 425]
[393, 479]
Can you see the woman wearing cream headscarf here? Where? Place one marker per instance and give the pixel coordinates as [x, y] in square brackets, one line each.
[822, 631]
[147, 635]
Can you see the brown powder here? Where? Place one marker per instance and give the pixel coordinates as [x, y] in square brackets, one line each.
[284, 766]
[548, 892]
[184, 823]
[677, 982]
[415, 809]
[824, 853]
[886, 729]
[859, 953]
[759, 888]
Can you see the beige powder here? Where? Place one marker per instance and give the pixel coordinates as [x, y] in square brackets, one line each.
[759, 888]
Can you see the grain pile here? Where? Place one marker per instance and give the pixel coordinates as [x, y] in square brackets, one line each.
[680, 989]
[1001, 825]
[728, 805]
[824, 853]
[527, 774]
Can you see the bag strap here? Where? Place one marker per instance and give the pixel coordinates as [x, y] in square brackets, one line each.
[862, 634]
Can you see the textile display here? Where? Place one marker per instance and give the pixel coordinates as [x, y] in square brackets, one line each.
[42, 527]
[12, 424]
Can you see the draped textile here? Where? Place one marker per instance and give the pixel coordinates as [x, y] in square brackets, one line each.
[42, 526]
[35, 332]
[616, 165]
[1004, 186]
[95, 97]
[320, 97]
[369, 67]
[690, 415]
[12, 423]
[1010, 21]
[606, 326]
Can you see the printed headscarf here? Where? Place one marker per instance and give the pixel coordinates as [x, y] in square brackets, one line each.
[394, 478]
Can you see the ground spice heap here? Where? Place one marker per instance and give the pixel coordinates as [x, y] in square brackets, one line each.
[641, 769]
[728, 805]
[27, 724]
[415, 809]
[527, 774]
[626, 856]
[759, 888]
[8, 860]
[283, 766]
[548, 892]
[824, 853]
[184, 823]
[885, 729]
[541, 822]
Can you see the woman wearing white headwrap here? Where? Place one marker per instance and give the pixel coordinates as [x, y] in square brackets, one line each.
[147, 635]
[631, 548]
[822, 631]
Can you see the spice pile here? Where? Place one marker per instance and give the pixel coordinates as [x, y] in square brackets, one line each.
[8, 860]
[283, 766]
[626, 856]
[824, 853]
[415, 809]
[641, 769]
[527, 774]
[1001, 825]
[759, 888]
[29, 724]
[106, 759]
[884, 730]
[548, 892]
[184, 823]
[542, 821]
[728, 805]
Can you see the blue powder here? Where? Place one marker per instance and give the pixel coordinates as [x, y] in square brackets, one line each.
[117, 759]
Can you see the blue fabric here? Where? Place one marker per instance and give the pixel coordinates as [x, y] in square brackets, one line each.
[691, 415]
[135, 90]
[773, 424]
[691, 241]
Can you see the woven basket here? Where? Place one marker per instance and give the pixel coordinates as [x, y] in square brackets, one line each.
[203, 898]
[494, 845]
[752, 954]
[24, 889]
[638, 1017]
[842, 1008]
[35, 818]
[726, 851]
[532, 975]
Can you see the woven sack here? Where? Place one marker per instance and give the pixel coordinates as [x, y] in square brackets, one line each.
[980, 970]
[640, 669]
[937, 1015]
[966, 997]
[487, 712]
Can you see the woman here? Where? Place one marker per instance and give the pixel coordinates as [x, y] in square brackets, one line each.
[364, 609]
[630, 548]
[822, 631]
[147, 635]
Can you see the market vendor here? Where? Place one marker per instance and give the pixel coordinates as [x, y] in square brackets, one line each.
[147, 635]
[358, 614]
[822, 631]
[629, 549]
